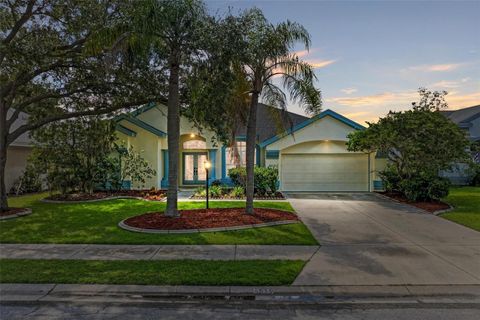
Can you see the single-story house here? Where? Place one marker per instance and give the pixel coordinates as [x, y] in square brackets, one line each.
[17, 153]
[311, 153]
[467, 119]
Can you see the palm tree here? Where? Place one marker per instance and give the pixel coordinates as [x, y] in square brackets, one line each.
[268, 55]
[173, 32]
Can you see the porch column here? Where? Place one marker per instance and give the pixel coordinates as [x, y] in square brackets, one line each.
[164, 182]
[212, 156]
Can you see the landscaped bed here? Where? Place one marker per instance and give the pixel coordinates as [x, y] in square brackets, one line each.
[152, 195]
[169, 272]
[14, 213]
[97, 222]
[430, 206]
[212, 218]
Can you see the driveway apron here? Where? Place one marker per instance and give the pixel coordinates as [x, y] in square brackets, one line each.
[369, 240]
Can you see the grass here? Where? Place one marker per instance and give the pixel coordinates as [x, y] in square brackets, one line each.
[466, 201]
[172, 272]
[97, 223]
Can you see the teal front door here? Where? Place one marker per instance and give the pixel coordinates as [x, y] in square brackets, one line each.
[194, 167]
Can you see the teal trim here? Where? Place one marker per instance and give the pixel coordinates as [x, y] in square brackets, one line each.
[125, 130]
[141, 124]
[212, 156]
[164, 182]
[195, 180]
[307, 122]
[272, 154]
[224, 162]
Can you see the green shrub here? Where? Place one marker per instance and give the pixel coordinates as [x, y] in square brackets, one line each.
[215, 191]
[200, 192]
[237, 192]
[216, 183]
[476, 176]
[29, 182]
[424, 187]
[265, 178]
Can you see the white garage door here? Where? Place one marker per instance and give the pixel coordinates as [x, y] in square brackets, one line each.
[324, 172]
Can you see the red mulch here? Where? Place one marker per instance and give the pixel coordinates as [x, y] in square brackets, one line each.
[11, 211]
[430, 206]
[146, 194]
[212, 218]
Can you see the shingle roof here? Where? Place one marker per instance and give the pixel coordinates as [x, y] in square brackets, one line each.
[268, 126]
[464, 115]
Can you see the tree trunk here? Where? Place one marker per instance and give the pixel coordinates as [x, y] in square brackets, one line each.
[173, 131]
[3, 158]
[251, 144]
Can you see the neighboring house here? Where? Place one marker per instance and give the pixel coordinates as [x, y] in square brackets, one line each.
[17, 153]
[468, 119]
[311, 155]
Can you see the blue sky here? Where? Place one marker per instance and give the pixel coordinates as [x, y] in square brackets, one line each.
[372, 56]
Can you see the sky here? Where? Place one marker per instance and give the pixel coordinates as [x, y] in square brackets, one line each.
[371, 57]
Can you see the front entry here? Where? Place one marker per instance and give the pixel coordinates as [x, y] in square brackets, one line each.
[194, 167]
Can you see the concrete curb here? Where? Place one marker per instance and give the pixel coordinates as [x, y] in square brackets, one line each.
[25, 212]
[124, 226]
[98, 200]
[266, 294]
[439, 212]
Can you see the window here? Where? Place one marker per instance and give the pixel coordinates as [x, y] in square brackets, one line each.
[194, 144]
[232, 161]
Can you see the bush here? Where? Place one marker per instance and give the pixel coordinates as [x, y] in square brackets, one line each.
[200, 192]
[237, 192]
[29, 182]
[265, 178]
[216, 183]
[421, 188]
[215, 191]
[476, 177]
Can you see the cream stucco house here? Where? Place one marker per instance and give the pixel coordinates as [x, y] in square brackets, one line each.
[311, 154]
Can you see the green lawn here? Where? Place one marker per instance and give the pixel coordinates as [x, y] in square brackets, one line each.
[97, 223]
[173, 272]
[466, 201]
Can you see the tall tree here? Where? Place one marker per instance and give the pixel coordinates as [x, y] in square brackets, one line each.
[53, 66]
[268, 55]
[419, 143]
[173, 32]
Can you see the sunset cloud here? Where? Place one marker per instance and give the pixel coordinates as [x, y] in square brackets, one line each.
[456, 100]
[320, 63]
[436, 67]
[375, 99]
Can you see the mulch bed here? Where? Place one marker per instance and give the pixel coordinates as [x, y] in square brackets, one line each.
[212, 218]
[145, 194]
[430, 206]
[11, 211]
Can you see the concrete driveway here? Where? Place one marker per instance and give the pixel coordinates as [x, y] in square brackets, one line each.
[369, 240]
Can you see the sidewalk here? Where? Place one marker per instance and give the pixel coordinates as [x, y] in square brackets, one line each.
[282, 294]
[155, 252]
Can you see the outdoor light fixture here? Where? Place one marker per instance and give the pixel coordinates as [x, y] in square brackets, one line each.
[192, 135]
[207, 165]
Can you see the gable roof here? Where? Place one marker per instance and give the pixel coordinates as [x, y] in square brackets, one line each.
[309, 121]
[268, 124]
[134, 120]
[463, 116]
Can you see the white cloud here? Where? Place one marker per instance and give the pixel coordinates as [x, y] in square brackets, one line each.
[349, 90]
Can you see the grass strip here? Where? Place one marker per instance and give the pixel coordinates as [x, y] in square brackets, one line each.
[170, 272]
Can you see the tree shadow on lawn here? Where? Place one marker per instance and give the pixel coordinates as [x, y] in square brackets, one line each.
[97, 222]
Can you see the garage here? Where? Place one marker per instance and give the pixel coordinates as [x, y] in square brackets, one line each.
[324, 172]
